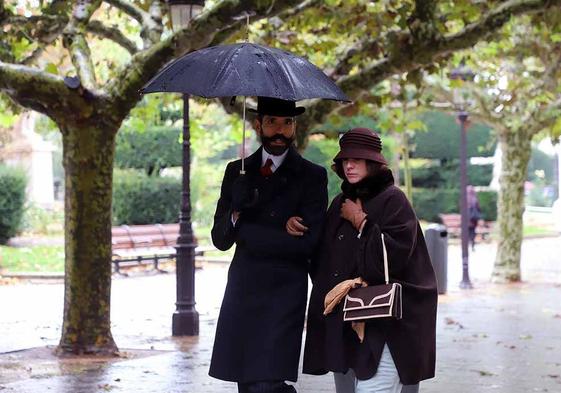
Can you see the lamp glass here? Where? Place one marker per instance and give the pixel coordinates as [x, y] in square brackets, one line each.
[181, 14]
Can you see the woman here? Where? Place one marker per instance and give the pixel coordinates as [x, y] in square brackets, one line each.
[393, 352]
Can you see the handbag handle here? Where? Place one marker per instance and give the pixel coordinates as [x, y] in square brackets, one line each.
[385, 252]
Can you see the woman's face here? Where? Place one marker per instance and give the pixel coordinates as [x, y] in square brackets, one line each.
[355, 169]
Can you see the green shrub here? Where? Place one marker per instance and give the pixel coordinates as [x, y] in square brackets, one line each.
[442, 138]
[430, 202]
[321, 152]
[140, 199]
[12, 200]
[151, 150]
[488, 204]
[448, 175]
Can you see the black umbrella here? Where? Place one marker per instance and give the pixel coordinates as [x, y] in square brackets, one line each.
[245, 69]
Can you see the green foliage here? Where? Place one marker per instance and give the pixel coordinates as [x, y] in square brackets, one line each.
[442, 138]
[32, 259]
[43, 222]
[141, 199]
[321, 152]
[448, 175]
[12, 201]
[430, 202]
[541, 167]
[151, 150]
[488, 204]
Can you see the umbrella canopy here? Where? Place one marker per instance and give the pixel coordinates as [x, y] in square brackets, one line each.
[245, 69]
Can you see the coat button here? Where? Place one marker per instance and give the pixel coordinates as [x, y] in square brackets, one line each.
[336, 274]
[273, 213]
[340, 237]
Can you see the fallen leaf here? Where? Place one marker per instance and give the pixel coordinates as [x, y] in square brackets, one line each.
[484, 373]
[450, 321]
[525, 336]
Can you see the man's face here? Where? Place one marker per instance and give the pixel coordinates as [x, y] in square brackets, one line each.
[277, 133]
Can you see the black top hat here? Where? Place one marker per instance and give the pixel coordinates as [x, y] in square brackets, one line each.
[277, 107]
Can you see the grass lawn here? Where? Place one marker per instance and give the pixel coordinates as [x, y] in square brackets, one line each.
[32, 259]
[532, 230]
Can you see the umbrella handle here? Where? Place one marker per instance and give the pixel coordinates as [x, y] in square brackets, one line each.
[242, 172]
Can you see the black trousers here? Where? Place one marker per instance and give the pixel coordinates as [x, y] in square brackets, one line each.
[265, 387]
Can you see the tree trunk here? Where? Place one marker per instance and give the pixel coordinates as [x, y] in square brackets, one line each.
[88, 163]
[516, 149]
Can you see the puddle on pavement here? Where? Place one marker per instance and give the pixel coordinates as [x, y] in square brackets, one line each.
[41, 362]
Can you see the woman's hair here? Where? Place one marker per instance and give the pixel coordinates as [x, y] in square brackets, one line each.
[372, 168]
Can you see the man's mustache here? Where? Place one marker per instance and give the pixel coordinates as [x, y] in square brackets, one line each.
[278, 137]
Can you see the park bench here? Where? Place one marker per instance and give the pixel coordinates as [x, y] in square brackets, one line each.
[134, 245]
[453, 224]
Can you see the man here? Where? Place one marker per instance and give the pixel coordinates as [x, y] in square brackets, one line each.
[259, 331]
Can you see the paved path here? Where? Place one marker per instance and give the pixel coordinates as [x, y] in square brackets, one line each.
[495, 338]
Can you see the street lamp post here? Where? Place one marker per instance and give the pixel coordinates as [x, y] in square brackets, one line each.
[464, 74]
[185, 321]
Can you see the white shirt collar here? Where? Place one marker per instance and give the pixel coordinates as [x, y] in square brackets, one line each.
[277, 160]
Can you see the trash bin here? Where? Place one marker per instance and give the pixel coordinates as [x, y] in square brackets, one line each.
[436, 237]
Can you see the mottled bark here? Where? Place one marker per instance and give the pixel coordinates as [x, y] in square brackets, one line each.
[516, 150]
[88, 163]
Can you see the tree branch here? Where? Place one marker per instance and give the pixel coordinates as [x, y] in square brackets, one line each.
[151, 22]
[74, 40]
[33, 88]
[130, 9]
[113, 34]
[225, 34]
[421, 23]
[199, 34]
[408, 54]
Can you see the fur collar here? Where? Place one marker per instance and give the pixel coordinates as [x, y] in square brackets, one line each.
[368, 187]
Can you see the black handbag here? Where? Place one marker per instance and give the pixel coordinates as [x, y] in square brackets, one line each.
[376, 301]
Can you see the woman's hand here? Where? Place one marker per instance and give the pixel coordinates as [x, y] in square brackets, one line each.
[352, 212]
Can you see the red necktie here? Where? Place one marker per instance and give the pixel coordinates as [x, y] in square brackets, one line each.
[266, 169]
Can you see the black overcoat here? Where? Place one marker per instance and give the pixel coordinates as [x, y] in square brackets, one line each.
[331, 344]
[259, 330]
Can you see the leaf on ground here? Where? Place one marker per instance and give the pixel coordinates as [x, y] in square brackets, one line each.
[525, 336]
[450, 321]
[484, 373]
[553, 375]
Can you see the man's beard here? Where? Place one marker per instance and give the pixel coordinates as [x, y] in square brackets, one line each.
[276, 150]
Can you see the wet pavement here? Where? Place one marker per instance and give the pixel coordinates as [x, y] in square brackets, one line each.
[494, 338]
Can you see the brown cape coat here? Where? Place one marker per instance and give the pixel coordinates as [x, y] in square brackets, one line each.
[331, 345]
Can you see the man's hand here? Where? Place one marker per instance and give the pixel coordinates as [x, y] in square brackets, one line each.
[243, 195]
[295, 227]
[352, 212]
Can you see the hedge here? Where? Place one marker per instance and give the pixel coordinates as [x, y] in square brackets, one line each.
[151, 150]
[448, 176]
[140, 199]
[442, 138]
[13, 183]
[430, 202]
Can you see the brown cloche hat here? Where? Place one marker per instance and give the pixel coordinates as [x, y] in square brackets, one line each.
[277, 107]
[361, 143]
